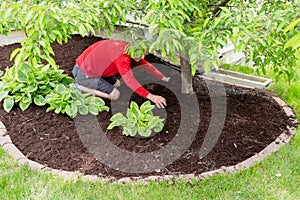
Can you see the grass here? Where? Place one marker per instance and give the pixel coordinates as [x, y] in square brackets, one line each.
[276, 177]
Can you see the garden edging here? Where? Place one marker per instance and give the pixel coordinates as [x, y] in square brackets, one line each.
[282, 139]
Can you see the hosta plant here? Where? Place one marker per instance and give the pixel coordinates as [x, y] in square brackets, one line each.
[70, 101]
[137, 120]
[42, 84]
[28, 83]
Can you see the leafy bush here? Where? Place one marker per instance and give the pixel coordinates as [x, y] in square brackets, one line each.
[28, 83]
[70, 101]
[45, 85]
[138, 120]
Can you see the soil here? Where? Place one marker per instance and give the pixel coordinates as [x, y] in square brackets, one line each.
[252, 121]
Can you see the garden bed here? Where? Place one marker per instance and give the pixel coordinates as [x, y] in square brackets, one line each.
[253, 121]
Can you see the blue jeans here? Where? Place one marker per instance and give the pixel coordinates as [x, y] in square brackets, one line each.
[103, 84]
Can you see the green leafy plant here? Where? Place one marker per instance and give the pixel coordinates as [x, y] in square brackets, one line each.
[137, 120]
[27, 84]
[294, 41]
[70, 101]
[43, 85]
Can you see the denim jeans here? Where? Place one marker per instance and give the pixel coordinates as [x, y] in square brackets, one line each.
[103, 84]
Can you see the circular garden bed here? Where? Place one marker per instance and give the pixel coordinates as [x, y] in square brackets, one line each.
[253, 119]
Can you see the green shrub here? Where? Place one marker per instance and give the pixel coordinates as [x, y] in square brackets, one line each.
[41, 85]
[28, 83]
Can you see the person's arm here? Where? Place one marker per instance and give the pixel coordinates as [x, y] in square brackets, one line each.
[123, 65]
[114, 95]
[150, 69]
[94, 92]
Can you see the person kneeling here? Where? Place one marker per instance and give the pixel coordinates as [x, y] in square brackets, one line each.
[96, 67]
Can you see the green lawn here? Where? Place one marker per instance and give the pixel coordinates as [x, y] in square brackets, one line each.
[277, 177]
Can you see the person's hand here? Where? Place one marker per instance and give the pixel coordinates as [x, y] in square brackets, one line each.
[166, 79]
[159, 101]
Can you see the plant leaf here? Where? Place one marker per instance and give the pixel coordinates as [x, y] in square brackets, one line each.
[14, 52]
[135, 111]
[49, 109]
[155, 122]
[126, 131]
[39, 100]
[3, 94]
[103, 108]
[158, 128]
[24, 104]
[83, 110]
[130, 131]
[117, 116]
[113, 124]
[21, 76]
[291, 25]
[60, 88]
[8, 103]
[93, 109]
[32, 88]
[144, 132]
[146, 107]
[99, 101]
[293, 42]
[71, 110]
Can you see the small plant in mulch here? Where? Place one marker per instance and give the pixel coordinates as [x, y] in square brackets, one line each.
[70, 101]
[137, 120]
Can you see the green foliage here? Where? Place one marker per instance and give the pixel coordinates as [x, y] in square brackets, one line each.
[137, 120]
[71, 101]
[195, 30]
[43, 85]
[294, 41]
[27, 84]
[259, 32]
[138, 48]
[45, 22]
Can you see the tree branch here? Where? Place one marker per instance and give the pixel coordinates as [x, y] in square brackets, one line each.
[136, 23]
[216, 11]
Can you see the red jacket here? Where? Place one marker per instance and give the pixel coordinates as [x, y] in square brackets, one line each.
[108, 58]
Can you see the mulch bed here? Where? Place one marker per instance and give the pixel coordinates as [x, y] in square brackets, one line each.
[253, 120]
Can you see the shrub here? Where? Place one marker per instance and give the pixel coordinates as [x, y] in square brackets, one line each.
[43, 85]
[28, 83]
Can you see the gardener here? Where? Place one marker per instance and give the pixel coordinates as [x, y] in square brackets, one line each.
[96, 67]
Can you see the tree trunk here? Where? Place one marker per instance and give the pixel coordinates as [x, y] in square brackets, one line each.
[186, 76]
